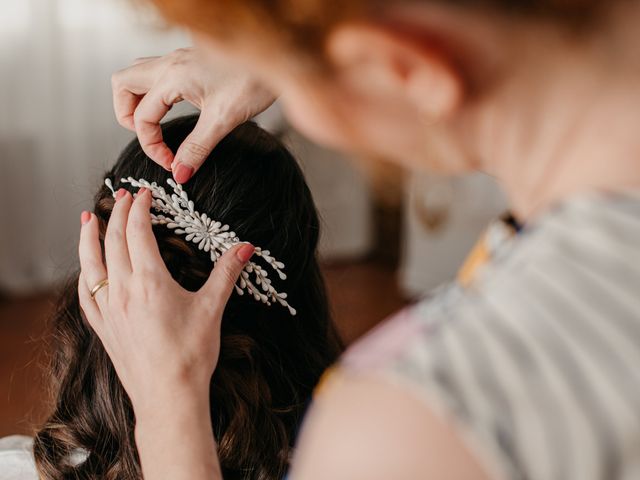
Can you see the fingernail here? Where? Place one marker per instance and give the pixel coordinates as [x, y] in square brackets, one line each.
[120, 193]
[168, 163]
[140, 192]
[183, 173]
[245, 252]
[85, 217]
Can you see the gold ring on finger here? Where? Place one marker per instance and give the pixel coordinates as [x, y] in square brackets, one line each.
[96, 289]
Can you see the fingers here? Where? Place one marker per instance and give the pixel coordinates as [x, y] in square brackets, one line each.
[124, 105]
[146, 118]
[224, 276]
[88, 305]
[91, 264]
[115, 241]
[143, 247]
[129, 86]
[197, 147]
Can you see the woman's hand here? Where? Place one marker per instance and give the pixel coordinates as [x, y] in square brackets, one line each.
[146, 91]
[163, 341]
[161, 338]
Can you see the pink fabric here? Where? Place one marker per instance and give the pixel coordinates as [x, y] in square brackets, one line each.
[384, 343]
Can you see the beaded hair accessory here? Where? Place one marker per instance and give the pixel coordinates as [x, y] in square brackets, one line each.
[178, 213]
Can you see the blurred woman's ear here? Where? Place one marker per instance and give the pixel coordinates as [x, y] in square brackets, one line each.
[398, 64]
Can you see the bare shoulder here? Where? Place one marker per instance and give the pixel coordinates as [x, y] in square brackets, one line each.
[365, 427]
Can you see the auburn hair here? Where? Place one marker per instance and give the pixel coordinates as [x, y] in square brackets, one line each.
[302, 25]
[269, 361]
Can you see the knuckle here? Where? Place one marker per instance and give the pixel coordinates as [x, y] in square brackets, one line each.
[138, 116]
[179, 60]
[146, 293]
[144, 282]
[122, 120]
[152, 281]
[135, 224]
[178, 55]
[113, 234]
[118, 81]
[229, 273]
[195, 150]
[175, 60]
[148, 280]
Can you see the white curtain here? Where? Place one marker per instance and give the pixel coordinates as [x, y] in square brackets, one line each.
[58, 133]
[57, 129]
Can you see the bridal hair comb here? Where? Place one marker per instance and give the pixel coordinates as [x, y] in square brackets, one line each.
[178, 213]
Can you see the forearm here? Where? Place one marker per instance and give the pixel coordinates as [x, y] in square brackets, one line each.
[175, 439]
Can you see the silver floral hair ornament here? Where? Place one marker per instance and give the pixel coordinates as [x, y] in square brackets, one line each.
[178, 213]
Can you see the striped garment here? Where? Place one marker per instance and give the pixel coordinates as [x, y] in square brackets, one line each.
[537, 360]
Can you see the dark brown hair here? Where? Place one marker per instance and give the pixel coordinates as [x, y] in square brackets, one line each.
[269, 360]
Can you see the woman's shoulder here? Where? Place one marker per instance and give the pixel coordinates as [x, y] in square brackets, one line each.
[568, 283]
[16, 458]
[543, 341]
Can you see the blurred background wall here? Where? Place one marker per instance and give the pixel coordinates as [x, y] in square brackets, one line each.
[389, 235]
[58, 132]
[57, 129]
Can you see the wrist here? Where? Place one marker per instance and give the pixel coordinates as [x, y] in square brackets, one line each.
[175, 439]
[172, 400]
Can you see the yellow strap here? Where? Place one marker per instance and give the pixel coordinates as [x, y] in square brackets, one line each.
[479, 256]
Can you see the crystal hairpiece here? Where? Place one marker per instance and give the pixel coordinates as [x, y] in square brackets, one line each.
[178, 213]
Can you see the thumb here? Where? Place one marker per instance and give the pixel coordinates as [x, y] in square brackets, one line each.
[218, 288]
[197, 147]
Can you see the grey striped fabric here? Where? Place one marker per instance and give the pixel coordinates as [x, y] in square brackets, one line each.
[538, 363]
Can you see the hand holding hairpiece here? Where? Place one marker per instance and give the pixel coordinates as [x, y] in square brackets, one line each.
[178, 213]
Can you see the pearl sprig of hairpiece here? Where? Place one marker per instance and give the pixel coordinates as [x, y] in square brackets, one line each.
[178, 213]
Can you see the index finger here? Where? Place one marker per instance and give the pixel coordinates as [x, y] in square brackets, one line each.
[128, 87]
[124, 105]
[146, 118]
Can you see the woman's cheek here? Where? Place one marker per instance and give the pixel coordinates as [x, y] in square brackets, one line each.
[318, 118]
